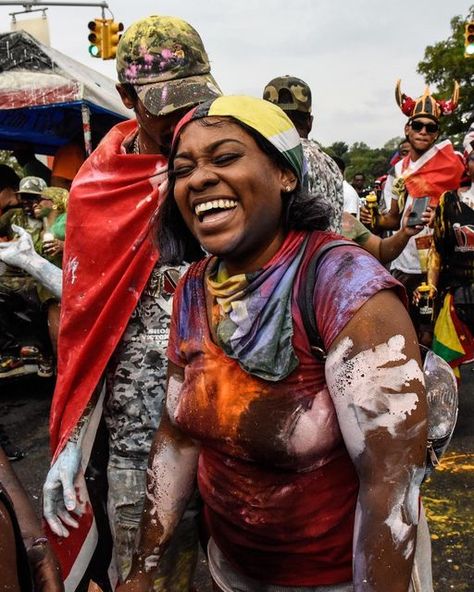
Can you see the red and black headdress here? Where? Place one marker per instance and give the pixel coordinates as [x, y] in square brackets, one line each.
[426, 105]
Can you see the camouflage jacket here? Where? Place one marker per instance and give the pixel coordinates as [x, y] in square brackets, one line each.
[324, 179]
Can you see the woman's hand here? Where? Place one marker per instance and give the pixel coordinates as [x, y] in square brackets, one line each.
[53, 247]
[45, 568]
[141, 582]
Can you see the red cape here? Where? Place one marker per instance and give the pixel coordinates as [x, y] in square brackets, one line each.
[440, 169]
[108, 259]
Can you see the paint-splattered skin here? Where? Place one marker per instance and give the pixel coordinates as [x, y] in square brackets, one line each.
[376, 354]
[170, 484]
[385, 437]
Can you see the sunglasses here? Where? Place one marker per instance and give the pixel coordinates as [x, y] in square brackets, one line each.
[417, 126]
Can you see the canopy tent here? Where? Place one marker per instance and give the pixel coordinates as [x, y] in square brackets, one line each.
[47, 98]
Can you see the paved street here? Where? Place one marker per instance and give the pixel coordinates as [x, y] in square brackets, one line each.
[24, 407]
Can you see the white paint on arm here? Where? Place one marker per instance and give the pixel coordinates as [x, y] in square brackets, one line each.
[376, 393]
[371, 390]
[21, 253]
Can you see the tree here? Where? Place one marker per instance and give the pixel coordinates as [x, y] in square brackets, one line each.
[338, 149]
[443, 63]
[393, 144]
[6, 157]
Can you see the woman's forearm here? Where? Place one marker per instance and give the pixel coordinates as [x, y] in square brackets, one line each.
[171, 481]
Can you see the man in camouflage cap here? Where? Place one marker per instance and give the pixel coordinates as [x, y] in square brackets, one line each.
[164, 59]
[163, 70]
[116, 303]
[19, 292]
[324, 179]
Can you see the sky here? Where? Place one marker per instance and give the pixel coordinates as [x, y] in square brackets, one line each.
[350, 52]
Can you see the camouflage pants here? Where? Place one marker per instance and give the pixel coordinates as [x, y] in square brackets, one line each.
[124, 506]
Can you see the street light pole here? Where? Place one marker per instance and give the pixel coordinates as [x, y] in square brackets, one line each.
[34, 3]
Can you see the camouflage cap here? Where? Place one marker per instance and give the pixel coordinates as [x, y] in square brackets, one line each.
[33, 185]
[289, 93]
[165, 60]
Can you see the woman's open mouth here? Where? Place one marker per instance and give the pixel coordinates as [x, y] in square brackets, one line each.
[216, 210]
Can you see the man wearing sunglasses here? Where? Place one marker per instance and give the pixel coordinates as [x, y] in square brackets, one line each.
[428, 170]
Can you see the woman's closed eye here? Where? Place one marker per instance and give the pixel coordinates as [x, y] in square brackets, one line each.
[181, 170]
[226, 158]
[185, 169]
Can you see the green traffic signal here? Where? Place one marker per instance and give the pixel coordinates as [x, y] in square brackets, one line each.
[95, 37]
[94, 51]
[469, 39]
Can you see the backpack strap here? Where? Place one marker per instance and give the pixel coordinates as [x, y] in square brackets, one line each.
[305, 299]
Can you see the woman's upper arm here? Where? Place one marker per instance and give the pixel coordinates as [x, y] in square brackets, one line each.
[374, 375]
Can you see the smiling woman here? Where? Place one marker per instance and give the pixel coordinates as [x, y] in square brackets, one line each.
[309, 470]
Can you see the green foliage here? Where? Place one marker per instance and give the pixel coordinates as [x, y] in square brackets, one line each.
[360, 158]
[6, 157]
[443, 63]
[337, 149]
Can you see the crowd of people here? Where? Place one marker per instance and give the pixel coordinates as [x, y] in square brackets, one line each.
[164, 289]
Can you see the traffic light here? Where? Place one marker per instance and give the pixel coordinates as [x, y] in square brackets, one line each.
[111, 38]
[96, 37]
[469, 39]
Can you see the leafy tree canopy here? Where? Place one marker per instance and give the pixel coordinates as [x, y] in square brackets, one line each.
[443, 63]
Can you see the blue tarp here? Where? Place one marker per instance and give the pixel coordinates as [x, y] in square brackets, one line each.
[43, 92]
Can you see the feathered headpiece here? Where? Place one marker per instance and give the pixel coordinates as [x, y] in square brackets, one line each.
[426, 105]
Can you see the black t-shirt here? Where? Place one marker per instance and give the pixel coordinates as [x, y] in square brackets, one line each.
[454, 240]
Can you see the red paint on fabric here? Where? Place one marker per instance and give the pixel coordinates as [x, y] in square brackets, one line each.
[279, 498]
[108, 259]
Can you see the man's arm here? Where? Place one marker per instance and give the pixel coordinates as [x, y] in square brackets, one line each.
[21, 253]
[389, 248]
[392, 246]
[60, 496]
[375, 379]
[434, 269]
[171, 477]
[388, 221]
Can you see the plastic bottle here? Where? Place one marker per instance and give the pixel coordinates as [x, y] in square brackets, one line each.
[372, 205]
[47, 234]
[425, 303]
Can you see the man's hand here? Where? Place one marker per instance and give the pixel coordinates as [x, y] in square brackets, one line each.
[365, 216]
[427, 218]
[59, 495]
[18, 252]
[431, 294]
[45, 568]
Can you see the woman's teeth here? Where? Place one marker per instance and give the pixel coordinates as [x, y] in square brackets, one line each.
[216, 204]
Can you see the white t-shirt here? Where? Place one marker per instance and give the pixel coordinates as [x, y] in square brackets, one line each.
[408, 260]
[351, 199]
